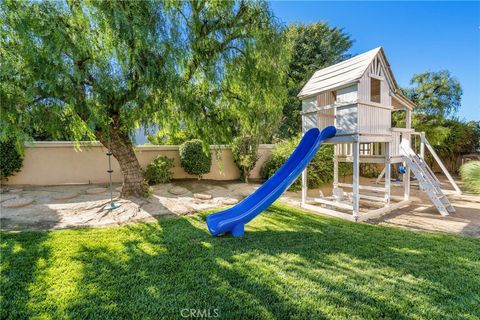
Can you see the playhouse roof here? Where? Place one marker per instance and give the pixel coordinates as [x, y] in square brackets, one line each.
[348, 72]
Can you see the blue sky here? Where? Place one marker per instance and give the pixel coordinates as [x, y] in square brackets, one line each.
[416, 36]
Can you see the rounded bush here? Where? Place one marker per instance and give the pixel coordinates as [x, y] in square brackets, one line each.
[10, 159]
[470, 173]
[159, 170]
[193, 159]
[245, 154]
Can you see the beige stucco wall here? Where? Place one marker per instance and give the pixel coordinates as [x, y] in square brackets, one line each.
[56, 163]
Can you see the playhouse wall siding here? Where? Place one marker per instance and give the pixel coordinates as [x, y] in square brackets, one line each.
[309, 120]
[347, 119]
[373, 120]
[364, 87]
[325, 98]
[348, 94]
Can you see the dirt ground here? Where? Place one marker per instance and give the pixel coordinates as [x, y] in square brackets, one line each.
[181, 198]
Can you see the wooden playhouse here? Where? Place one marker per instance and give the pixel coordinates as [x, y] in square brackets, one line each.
[358, 96]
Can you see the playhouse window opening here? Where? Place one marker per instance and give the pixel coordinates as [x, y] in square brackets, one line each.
[374, 90]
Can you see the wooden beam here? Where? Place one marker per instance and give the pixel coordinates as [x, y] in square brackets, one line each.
[348, 185]
[329, 212]
[386, 209]
[341, 205]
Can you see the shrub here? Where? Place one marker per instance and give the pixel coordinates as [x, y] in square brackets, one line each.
[193, 159]
[344, 169]
[10, 159]
[470, 173]
[159, 170]
[245, 154]
[319, 171]
[369, 170]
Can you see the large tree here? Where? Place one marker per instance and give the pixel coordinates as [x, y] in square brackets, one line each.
[437, 95]
[314, 46]
[110, 66]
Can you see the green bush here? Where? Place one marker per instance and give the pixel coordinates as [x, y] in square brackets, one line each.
[159, 170]
[319, 171]
[470, 173]
[344, 169]
[369, 170]
[193, 159]
[10, 159]
[245, 154]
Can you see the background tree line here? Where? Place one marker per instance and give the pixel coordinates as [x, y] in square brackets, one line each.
[216, 71]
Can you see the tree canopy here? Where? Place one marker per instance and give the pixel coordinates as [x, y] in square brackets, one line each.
[438, 97]
[314, 46]
[437, 94]
[99, 69]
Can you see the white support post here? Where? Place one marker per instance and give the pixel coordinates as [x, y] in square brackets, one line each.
[407, 136]
[387, 173]
[304, 186]
[422, 146]
[335, 167]
[422, 150]
[356, 177]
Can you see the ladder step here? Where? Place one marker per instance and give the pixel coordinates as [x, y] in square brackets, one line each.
[428, 181]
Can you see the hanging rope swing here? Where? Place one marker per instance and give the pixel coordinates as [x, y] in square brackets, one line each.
[112, 205]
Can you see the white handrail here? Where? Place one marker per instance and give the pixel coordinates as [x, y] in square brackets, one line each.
[439, 161]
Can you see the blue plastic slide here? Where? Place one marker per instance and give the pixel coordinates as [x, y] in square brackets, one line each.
[234, 219]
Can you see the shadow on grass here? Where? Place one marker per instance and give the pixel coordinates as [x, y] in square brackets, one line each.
[22, 258]
[289, 265]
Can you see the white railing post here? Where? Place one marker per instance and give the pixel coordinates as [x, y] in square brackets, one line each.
[387, 173]
[440, 163]
[356, 177]
[304, 186]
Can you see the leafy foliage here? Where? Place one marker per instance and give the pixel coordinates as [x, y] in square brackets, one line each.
[194, 159]
[245, 154]
[211, 68]
[11, 159]
[166, 138]
[320, 168]
[159, 170]
[369, 170]
[470, 173]
[314, 46]
[436, 94]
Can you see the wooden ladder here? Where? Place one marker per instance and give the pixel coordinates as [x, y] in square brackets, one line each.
[427, 180]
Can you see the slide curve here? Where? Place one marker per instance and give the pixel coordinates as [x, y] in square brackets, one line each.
[234, 219]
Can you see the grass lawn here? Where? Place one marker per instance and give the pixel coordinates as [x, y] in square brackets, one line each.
[291, 264]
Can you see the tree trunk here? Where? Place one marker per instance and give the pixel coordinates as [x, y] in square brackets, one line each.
[121, 148]
[245, 176]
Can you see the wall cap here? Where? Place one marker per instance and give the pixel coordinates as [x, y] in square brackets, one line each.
[145, 147]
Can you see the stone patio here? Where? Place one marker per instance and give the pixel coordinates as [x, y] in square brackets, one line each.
[73, 206]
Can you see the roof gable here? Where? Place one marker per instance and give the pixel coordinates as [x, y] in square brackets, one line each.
[348, 72]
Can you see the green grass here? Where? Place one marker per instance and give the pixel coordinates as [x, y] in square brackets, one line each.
[291, 264]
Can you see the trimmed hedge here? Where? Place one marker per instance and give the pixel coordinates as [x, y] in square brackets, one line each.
[159, 170]
[193, 159]
[10, 159]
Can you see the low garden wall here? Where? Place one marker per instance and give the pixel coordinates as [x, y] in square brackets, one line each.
[58, 162]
